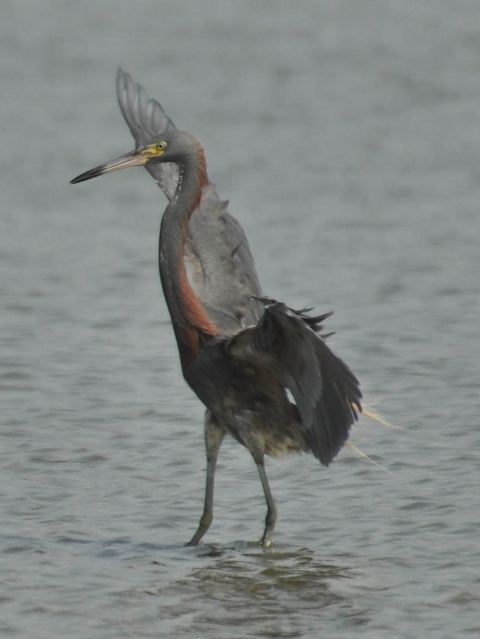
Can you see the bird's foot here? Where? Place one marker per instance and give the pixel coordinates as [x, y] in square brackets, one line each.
[191, 543]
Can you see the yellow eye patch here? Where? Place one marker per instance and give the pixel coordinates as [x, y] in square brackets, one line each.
[155, 150]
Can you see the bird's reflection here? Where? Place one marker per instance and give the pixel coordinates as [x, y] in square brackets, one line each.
[279, 591]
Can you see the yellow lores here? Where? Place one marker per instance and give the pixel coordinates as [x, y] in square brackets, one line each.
[155, 150]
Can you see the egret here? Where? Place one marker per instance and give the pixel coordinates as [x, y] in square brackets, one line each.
[263, 370]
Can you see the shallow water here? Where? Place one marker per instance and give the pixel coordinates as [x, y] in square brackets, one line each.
[347, 137]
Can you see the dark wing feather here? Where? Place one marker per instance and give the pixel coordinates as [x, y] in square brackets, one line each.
[326, 392]
[146, 120]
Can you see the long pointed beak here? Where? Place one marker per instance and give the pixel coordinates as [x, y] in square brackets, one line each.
[134, 158]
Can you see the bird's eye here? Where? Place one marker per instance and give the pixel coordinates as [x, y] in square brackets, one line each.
[161, 146]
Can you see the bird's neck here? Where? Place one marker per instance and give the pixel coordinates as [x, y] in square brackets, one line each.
[189, 317]
[193, 178]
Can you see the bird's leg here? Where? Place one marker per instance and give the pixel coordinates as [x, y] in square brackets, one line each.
[271, 508]
[214, 435]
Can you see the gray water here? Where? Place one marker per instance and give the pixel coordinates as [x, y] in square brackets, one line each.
[347, 137]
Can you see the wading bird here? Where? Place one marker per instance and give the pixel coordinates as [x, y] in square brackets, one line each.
[263, 370]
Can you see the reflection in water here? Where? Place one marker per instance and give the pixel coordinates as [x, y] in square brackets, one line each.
[279, 592]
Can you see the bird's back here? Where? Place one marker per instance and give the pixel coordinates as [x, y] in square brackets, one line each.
[220, 266]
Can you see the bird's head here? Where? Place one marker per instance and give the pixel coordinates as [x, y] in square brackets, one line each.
[169, 147]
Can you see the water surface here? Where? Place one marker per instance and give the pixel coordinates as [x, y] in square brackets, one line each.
[347, 137]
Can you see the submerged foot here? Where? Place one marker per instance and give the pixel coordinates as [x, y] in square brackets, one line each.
[266, 541]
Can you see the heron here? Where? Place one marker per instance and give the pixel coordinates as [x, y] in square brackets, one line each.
[263, 370]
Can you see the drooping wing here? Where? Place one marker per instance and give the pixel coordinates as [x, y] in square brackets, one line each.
[146, 119]
[220, 266]
[219, 263]
[325, 390]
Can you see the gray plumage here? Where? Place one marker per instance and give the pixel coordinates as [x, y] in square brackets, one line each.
[243, 354]
[218, 256]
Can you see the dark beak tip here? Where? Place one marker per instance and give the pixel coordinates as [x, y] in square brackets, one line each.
[78, 178]
[123, 162]
[88, 175]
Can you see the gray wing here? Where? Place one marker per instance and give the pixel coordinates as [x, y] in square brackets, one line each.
[326, 392]
[146, 120]
[218, 259]
[220, 266]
